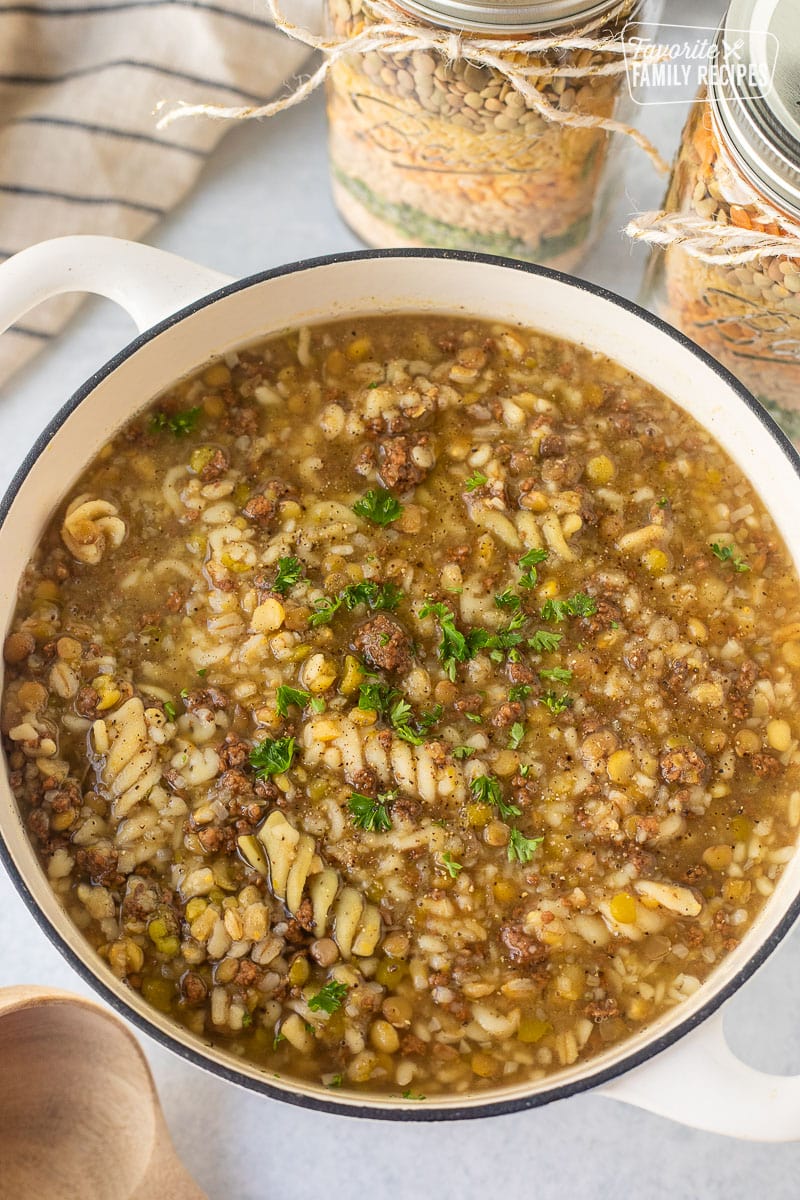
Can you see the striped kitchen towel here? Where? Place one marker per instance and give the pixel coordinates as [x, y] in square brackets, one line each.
[79, 151]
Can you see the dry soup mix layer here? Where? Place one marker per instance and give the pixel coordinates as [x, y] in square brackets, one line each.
[409, 705]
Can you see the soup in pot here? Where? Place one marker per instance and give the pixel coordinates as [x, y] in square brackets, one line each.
[409, 704]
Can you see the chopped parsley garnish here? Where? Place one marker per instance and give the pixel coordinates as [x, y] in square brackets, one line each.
[410, 728]
[273, 756]
[463, 751]
[519, 692]
[378, 506]
[529, 562]
[336, 1081]
[288, 695]
[389, 702]
[521, 848]
[486, 789]
[729, 554]
[203, 672]
[507, 599]
[544, 642]
[317, 704]
[181, 424]
[450, 865]
[376, 697]
[476, 718]
[554, 703]
[170, 710]
[579, 605]
[476, 480]
[371, 813]
[506, 640]
[409, 1095]
[324, 610]
[557, 674]
[663, 502]
[290, 572]
[455, 646]
[525, 770]
[375, 595]
[184, 693]
[515, 736]
[329, 998]
[276, 1041]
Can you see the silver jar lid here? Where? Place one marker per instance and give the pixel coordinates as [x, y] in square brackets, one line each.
[755, 91]
[490, 16]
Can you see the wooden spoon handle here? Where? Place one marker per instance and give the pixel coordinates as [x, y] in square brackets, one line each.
[24, 994]
[60, 1051]
[166, 1176]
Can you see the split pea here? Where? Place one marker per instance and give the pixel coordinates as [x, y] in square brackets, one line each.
[268, 616]
[746, 741]
[655, 561]
[600, 469]
[718, 858]
[479, 815]
[504, 891]
[217, 375]
[484, 1065]
[298, 972]
[125, 957]
[358, 350]
[623, 908]
[779, 735]
[620, 766]
[532, 1030]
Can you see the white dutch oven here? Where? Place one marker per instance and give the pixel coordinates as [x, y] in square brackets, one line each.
[680, 1066]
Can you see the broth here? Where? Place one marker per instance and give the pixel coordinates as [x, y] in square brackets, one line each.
[409, 704]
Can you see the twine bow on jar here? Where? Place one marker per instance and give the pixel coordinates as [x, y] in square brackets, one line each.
[711, 242]
[391, 33]
[731, 227]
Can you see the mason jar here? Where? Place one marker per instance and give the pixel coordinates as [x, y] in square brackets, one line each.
[739, 165]
[430, 151]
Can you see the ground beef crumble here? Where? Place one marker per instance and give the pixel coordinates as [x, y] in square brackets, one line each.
[397, 467]
[523, 949]
[384, 643]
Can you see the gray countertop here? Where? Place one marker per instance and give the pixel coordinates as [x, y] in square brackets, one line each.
[264, 200]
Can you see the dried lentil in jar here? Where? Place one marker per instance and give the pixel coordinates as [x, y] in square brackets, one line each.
[727, 271]
[432, 149]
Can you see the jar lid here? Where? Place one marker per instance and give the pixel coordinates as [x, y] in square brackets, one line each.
[755, 91]
[492, 15]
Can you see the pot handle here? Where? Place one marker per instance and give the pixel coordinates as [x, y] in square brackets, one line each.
[150, 284]
[701, 1083]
